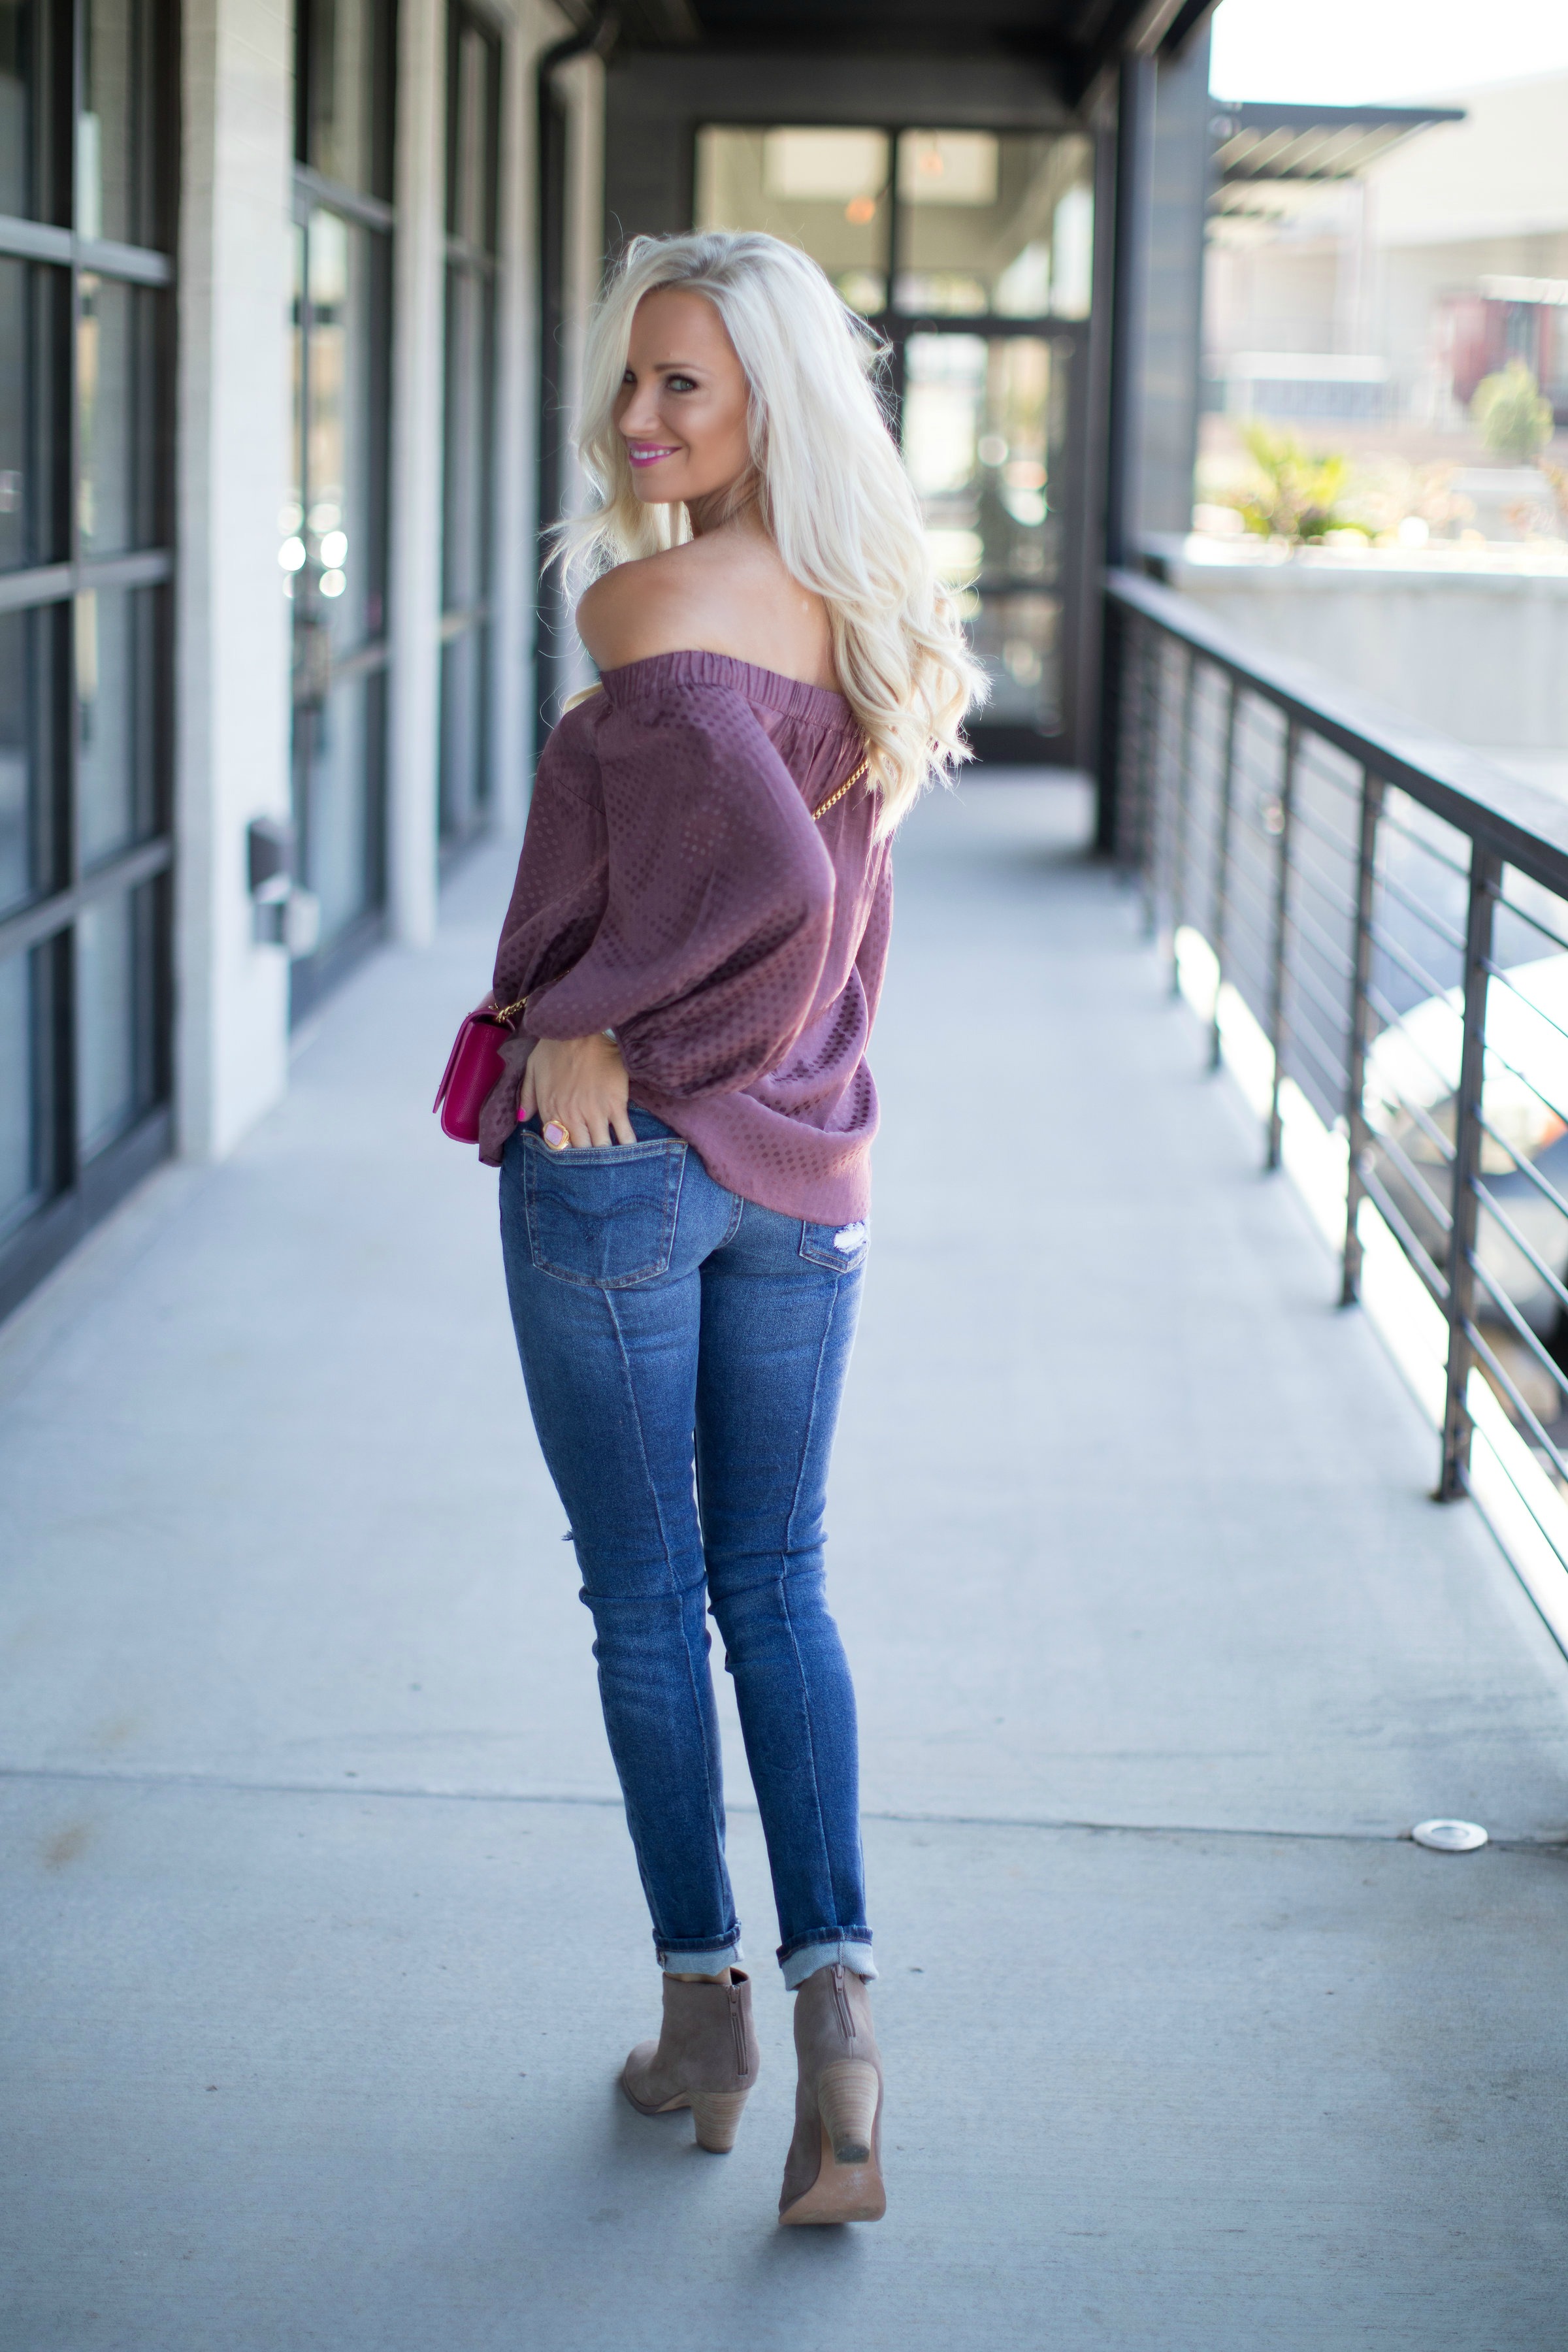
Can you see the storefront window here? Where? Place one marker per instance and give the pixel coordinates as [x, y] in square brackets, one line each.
[333, 525]
[826, 191]
[995, 223]
[85, 297]
[346, 67]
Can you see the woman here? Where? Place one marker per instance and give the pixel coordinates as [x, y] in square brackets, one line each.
[693, 953]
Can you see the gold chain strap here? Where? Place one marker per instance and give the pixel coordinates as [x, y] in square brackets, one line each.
[508, 1012]
[833, 798]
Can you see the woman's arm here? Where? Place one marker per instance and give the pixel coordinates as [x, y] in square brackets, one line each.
[718, 900]
[692, 919]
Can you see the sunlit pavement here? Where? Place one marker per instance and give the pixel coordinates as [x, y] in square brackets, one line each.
[323, 1936]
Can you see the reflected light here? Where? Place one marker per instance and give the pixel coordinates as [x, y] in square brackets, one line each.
[957, 554]
[332, 583]
[335, 548]
[292, 554]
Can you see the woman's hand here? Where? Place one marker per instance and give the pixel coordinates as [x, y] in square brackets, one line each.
[581, 1083]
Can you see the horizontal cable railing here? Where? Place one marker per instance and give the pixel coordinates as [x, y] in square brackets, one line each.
[1373, 922]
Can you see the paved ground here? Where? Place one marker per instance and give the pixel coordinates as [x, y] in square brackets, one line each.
[322, 1935]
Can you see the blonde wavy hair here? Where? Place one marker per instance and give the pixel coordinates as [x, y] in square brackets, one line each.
[833, 490]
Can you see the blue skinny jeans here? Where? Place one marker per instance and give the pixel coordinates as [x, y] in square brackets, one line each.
[684, 1352]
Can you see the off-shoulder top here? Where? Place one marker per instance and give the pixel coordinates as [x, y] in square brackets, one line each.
[674, 888]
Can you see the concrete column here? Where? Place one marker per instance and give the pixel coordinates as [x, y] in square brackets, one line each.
[517, 400]
[1180, 177]
[418, 338]
[232, 650]
[584, 81]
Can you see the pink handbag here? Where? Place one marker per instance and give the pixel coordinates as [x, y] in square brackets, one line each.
[473, 1067]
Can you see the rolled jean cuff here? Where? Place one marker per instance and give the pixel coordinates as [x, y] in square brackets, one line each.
[710, 1961]
[844, 1950]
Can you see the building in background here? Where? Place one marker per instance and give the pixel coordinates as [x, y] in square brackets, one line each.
[1368, 267]
[291, 302]
[1470, 232]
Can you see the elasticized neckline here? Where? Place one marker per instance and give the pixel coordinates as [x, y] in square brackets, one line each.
[790, 696]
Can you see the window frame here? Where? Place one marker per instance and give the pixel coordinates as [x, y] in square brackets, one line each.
[77, 1186]
[318, 669]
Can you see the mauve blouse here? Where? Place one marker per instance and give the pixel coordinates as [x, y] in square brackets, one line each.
[674, 888]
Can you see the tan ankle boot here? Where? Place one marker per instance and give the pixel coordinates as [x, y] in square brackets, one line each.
[834, 2171]
[706, 2058]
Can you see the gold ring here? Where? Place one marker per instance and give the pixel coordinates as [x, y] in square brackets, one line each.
[556, 1133]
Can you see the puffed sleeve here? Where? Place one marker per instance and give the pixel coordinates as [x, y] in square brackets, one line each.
[558, 898]
[717, 899]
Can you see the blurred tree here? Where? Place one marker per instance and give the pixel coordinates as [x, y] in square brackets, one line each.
[1513, 418]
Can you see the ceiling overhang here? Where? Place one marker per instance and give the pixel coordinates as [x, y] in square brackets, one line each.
[1078, 38]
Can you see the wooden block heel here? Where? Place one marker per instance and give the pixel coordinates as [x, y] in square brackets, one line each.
[847, 2095]
[717, 2115]
[708, 2037]
[834, 2172]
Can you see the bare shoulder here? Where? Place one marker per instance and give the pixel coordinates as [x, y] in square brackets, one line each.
[640, 609]
[725, 594]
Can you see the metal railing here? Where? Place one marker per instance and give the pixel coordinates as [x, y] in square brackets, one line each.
[1375, 920]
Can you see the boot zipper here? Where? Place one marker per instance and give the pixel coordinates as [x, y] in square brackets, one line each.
[737, 2027]
[841, 1999]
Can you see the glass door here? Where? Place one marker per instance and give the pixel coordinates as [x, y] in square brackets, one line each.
[333, 527]
[986, 441]
[972, 252]
[87, 210]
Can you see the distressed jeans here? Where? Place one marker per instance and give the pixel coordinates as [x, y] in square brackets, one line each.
[684, 1352]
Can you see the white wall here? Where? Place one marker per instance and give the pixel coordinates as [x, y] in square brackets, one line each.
[583, 81]
[232, 620]
[414, 603]
[1503, 171]
[1276, 296]
[533, 28]
[1482, 656]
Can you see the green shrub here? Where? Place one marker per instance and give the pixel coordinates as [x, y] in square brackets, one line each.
[1513, 418]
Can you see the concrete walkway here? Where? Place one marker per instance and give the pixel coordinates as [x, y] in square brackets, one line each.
[322, 1935]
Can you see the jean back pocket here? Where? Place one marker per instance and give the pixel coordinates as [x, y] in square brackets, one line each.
[606, 1214]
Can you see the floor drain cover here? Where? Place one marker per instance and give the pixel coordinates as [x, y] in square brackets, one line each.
[1449, 1837]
